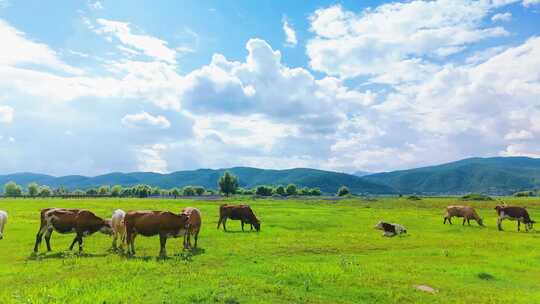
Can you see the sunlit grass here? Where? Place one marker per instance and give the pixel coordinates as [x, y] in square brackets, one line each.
[307, 252]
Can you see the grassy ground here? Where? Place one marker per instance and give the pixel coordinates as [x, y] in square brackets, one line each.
[307, 252]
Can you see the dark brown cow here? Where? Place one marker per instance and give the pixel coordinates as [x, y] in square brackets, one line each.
[149, 223]
[514, 213]
[79, 221]
[238, 212]
[194, 226]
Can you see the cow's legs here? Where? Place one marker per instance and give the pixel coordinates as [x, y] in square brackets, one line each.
[114, 240]
[469, 222]
[74, 241]
[464, 220]
[242, 224]
[130, 238]
[39, 237]
[162, 247]
[251, 227]
[80, 243]
[499, 222]
[219, 221]
[48, 238]
[196, 236]
[224, 222]
[518, 224]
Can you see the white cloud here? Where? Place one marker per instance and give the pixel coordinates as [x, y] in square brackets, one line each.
[144, 119]
[530, 2]
[502, 17]
[18, 49]
[150, 158]
[6, 114]
[374, 41]
[95, 5]
[149, 45]
[290, 33]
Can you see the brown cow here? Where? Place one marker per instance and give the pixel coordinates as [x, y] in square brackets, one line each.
[466, 212]
[238, 212]
[79, 221]
[514, 213]
[194, 225]
[150, 223]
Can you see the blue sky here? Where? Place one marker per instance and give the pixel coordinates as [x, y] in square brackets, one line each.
[89, 87]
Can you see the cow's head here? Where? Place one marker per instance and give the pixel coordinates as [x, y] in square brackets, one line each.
[499, 208]
[257, 225]
[480, 222]
[529, 224]
[106, 228]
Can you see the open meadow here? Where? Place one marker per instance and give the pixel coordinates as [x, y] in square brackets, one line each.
[308, 251]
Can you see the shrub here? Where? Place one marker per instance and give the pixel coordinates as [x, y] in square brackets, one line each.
[414, 197]
[44, 191]
[175, 192]
[199, 190]
[476, 197]
[304, 191]
[264, 190]
[78, 192]
[104, 190]
[91, 192]
[524, 194]
[343, 191]
[315, 192]
[280, 190]
[116, 190]
[188, 191]
[33, 189]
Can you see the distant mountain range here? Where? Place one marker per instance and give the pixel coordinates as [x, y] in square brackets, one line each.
[496, 175]
[327, 181]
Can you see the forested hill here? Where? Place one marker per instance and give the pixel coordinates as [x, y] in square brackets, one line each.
[327, 181]
[496, 175]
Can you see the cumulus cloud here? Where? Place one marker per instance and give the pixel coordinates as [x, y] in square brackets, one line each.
[6, 114]
[290, 33]
[149, 45]
[144, 119]
[375, 41]
[502, 17]
[527, 3]
[150, 158]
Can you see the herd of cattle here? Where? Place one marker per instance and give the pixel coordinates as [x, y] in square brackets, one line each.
[187, 223]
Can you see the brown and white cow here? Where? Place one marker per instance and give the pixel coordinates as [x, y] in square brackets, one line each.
[514, 213]
[466, 212]
[79, 221]
[193, 226]
[3, 222]
[118, 227]
[149, 223]
[238, 212]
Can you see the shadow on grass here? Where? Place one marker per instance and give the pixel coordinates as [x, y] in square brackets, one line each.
[485, 276]
[182, 256]
[63, 255]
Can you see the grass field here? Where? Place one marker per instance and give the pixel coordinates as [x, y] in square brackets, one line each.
[307, 252]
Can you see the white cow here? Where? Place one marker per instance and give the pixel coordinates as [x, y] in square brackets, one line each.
[119, 229]
[390, 229]
[3, 221]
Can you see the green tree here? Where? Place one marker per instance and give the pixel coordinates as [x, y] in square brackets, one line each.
[280, 190]
[175, 192]
[91, 192]
[315, 192]
[228, 183]
[199, 190]
[11, 189]
[116, 190]
[304, 191]
[264, 190]
[60, 191]
[44, 191]
[78, 192]
[291, 189]
[33, 189]
[343, 191]
[188, 191]
[142, 191]
[104, 190]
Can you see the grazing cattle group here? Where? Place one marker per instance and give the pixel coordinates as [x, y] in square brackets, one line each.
[187, 224]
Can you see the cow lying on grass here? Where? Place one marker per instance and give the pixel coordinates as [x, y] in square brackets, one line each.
[79, 221]
[238, 212]
[466, 212]
[118, 227]
[390, 229]
[3, 221]
[149, 223]
[193, 226]
[514, 213]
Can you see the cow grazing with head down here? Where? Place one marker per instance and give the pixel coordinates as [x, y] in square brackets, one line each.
[79, 221]
[193, 226]
[466, 212]
[238, 212]
[149, 223]
[514, 213]
[390, 229]
[118, 227]
[3, 221]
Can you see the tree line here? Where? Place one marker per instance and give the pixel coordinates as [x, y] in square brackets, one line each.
[227, 184]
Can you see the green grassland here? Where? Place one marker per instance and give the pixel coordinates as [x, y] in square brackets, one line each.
[309, 251]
